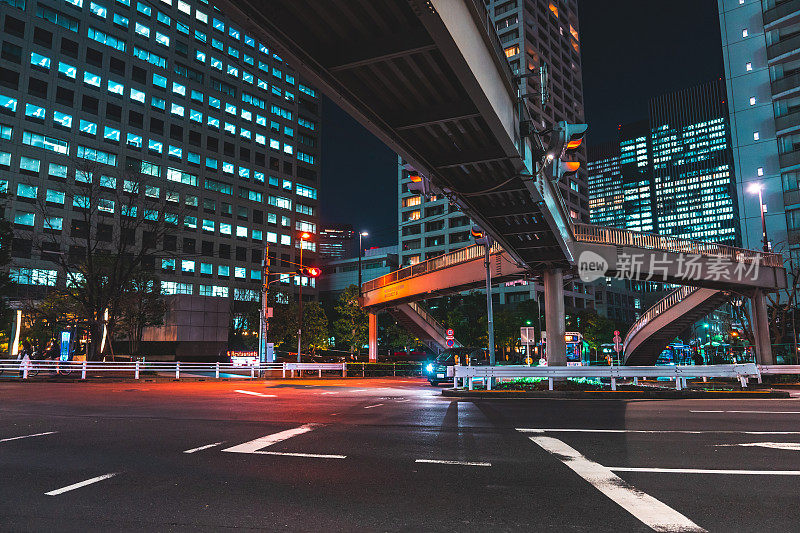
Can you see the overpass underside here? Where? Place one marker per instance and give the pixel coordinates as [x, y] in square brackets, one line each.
[429, 78]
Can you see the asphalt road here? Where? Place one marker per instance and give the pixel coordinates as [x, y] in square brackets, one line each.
[387, 455]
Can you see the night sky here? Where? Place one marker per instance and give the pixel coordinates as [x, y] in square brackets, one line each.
[632, 50]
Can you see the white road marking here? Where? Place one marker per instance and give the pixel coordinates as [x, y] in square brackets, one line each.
[330, 393]
[371, 406]
[313, 455]
[444, 462]
[256, 393]
[268, 440]
[706, 471]
[650, 511]
[753, 412]
[28, 436]
[359, 390]
[794, 446]
[200, 448]
[74, 486]
[582, 430]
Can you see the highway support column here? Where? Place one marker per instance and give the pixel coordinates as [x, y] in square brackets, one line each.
[760, 320]
[373, 338]
[553, 281]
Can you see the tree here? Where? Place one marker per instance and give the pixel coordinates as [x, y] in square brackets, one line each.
[120, 219]
[141, 306]
[315, 327]
[352, 322]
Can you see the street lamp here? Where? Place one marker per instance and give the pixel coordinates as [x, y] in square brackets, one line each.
[757, 188]
[303, 236]
[360, 251]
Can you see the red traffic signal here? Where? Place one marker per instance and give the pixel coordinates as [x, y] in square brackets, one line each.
[311, 272]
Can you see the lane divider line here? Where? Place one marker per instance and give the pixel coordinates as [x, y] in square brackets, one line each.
[28, 436]
[751, 412]
[74, 486]
[297, 454]
[650, 511]
[371, 406]
[446, 462]
[256, 393]
[200, 448]
[268, 440]
[690, 432]
[706, 471]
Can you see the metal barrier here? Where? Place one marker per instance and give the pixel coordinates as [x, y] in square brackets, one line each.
[319, 367]
[651, 241]
[679, 373]
[30, 368]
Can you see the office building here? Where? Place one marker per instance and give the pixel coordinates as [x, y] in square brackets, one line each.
[341, 273]
[170, 91]
[336, 241]
[761, 52]
[671, 174]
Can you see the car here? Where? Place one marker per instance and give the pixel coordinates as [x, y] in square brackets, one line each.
[435, 370]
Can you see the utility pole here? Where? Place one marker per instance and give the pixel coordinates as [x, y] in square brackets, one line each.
[487, 264]
[264, 324]
[360, 251]
[300, 304]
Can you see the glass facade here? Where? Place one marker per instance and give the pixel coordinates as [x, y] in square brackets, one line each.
[165, 90]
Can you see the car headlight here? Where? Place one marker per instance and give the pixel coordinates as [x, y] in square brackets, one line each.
[429, 368]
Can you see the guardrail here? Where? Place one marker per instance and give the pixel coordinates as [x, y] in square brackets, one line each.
[651, 241]
[463, 255]
[28, 369]
[677, 372]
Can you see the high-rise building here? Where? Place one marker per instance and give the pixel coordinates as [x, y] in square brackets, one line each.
[336, 241]
[761, 49]
[671, 174]
[172, 91]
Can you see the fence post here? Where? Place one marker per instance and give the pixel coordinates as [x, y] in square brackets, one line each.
[363, 369]
[25, 367]
[216, 370]
[636, 381]
[344, 369]
[677, 383]
[394, 369]
[252, 371]
[469, 383]
[283, 368]
[137, 370]
[178, 370]
[488, 382]
[83, 370]
[319, 372]
[550, 383]
[613, 383]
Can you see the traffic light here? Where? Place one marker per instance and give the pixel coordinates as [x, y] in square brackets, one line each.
[310, 272]
[565, 139]
[481, 237]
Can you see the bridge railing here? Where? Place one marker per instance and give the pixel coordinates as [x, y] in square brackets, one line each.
[463, 255]
[660, 307]
[650, 241]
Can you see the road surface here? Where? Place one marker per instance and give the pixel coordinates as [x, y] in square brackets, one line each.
[387, 455]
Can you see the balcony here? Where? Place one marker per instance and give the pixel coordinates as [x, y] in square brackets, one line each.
[792, 7]
[784, 47]
[786, 84]
[789, 159]
[785, 122]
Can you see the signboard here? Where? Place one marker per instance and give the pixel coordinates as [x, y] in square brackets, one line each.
[450, 343]
[527, 335]
[269, 312]
[64, 353]
[270, 352]
[450, 333]
[617, 342]
[243, 358]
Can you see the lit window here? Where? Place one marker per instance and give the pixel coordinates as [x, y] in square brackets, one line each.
[116, 88]
[134, 141]
[760, 171]
[176, 109]
[111, 134]
[752, 100]
[38, 60]
[744, 33]
[137, 96]
[756, 136]
[24, 218]
[62, 119]
[177, 88]
[162, 39]
[98, 10]
[748, 66]
[34, 111]
[91, 79]
[67, 70]
[187, 265]
[89, 128]
[142, 30]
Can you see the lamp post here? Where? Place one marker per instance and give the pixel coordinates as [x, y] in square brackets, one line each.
[360, 252]
[303, 236]
[758, 188]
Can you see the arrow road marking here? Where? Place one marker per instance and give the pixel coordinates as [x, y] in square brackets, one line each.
[268, 440]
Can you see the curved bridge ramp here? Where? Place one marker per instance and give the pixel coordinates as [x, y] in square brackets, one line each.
[660, 324]
[417, 321]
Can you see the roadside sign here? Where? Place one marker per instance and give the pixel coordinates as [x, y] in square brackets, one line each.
[64, 354]
[450, 343]
[269, 312]
[527, 335]
[617, 342]
[450, 333]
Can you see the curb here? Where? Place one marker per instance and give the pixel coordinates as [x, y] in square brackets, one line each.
[614, 395]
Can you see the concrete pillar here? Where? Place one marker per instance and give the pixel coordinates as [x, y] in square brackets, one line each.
[373, 338]
[16, 327]
[554, 317]
[760, 320]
